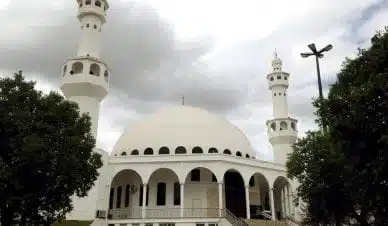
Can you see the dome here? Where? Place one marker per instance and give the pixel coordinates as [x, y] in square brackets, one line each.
[183, 126]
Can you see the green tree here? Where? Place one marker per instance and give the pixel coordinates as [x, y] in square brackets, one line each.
[356, 110]
[45, 153]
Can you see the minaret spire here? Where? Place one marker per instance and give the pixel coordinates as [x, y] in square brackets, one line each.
[183, 99]
[282, 129]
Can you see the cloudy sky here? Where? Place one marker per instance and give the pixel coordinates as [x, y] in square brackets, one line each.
[215, 52]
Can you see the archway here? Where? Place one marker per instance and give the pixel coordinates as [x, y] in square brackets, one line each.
[164, 194]
[235, 193]
[201, 193]
[282, 197]
[124, 198]
[258, 196]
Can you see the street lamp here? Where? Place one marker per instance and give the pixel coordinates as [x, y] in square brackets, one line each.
[318, 54]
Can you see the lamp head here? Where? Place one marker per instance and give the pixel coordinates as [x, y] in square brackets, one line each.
[312, 47]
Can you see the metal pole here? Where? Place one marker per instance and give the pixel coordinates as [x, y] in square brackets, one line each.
[319, 78]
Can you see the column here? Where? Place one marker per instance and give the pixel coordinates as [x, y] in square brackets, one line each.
[144, 201]
[282, 203]
[289, 201]
[271, 190]
[182, 196]
[247, 202]
[220, 201]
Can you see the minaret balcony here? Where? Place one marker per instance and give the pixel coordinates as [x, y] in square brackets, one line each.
[282, 130]
[94, 7]
[278, 79]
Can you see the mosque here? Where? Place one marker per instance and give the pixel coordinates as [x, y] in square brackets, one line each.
[182, 165]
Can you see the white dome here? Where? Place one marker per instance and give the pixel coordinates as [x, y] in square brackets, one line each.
[183, 126]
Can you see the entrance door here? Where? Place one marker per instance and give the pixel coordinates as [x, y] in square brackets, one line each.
[196, 208]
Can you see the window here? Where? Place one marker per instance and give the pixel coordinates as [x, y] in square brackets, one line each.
[285, 77]
[274, 94]
[247, 156]
[197, 150]
[166, 224]
[213, 150]
[118, 198]
[135, 152]
[180, 150]
[239, 154]
[87, 25]
[98, 3]
[126, 201]
[279, 77]
[111, 196]
[213, 224]
[195, 175]
[88, 2]
[271, 79]
[177, 193]
[135, 224]
[161, 194]
[95, 26]
[148, 224]
[164, 151]
[227, 151]
[199, 224]
[252, 182]
[124, 153]
[149, 151]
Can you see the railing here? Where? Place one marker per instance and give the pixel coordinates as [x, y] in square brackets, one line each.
[162, 213]
[233, 219]
[266, 215]
[121, 214]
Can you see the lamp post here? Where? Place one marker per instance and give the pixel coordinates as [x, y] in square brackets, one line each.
[318, 54]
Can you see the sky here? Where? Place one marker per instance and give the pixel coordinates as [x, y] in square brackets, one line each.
[216, 53]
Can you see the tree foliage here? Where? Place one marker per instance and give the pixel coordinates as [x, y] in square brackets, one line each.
[45, 153]
[349, 163]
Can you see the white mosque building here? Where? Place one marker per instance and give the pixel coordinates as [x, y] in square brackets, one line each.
[182, 165]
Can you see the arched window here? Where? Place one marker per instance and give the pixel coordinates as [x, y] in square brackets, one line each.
[135, 152]
[238, 154]
[227, 151]
[213, 150]
[271, 79]
[118, 198]
[111, 196]
[283, 125]
[161, 194]
[123, 153]
[106, 75]
[126, 200]
[247, 156]
[98, 3]
[88, 2]
[279, 77]
[252, 182]
[197, 150]
[95, 26]
[149, 151]
[95, 69]
[177, 194]
[77, 68]
[293, 126]
[164, 151]
[285, 77]
[273, 126]
[64, 70]
[180, 150]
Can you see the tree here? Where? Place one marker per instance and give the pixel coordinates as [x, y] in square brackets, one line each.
[356, 111]
[45, 153]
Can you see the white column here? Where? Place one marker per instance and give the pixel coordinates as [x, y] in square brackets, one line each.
[289, 201]
[182, 198]
[247, 202]
[220, 201]
[271, 198]
[144, 201]
[282, 202]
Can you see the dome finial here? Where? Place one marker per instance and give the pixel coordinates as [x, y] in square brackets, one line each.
[276, 53]
[183, 99]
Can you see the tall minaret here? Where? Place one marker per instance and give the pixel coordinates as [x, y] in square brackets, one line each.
[282, 130]
[85, 78]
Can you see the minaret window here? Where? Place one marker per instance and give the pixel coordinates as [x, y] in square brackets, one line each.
[180, 150]
[247, 156]
[135, 152]
[64, 70]
[77, 68]
[213, 150]
[238, 154]
[227, 151]
[87, 25]
[197, 150]
[273, 126]
[88, 2]
[274, 94]
[106, 75]
[164, 151]
[279, 77]
[149, 151]
[285, 77]
[293, 126]
[95, 26]
[97, 3]
[95, 69]
[283, 125]
[271, 79]
[280, 94]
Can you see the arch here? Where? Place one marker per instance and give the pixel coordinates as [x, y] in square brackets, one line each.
[164, 150]
[283, 125]
[77, 68]
[163, 175]
[97, 3]
[213, 150]
[148, 151]
[180, 150]
[106, 75]
[94, 69]
[293, 126]
[135, 152]
[238, 154]
[234, 187]
[88, 2]
[280, 186]
[205, 175]
[123, 153]
[227, 151]
[64, 70]
[247, 156]
[125, 198]
[197, 150]
[273, 126]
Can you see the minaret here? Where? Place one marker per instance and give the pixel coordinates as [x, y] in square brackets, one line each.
[85, 77]
[282, 130]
